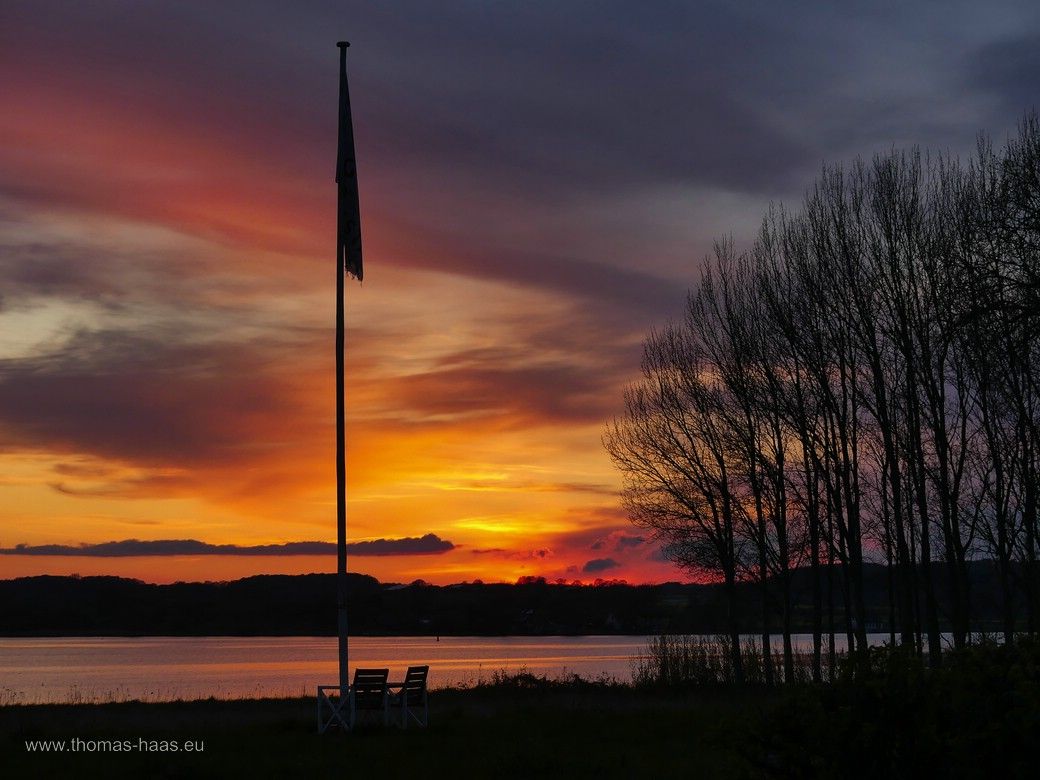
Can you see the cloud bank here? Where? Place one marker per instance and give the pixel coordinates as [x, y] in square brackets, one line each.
[430, 544]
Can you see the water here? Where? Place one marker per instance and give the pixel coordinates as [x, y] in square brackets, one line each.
[92, 669]
[43, 670]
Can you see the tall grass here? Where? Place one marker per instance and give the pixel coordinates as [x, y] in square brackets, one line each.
[504, 680]
[690, 661]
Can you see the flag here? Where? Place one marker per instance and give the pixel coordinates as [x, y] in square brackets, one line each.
[348, 216]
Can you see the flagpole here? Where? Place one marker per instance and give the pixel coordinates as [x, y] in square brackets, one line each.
[348, 261]
[341, 435]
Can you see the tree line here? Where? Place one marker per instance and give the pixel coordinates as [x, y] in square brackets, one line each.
[304, 605]
[860, 385]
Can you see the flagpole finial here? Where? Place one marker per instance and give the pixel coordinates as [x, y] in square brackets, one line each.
[343, 44]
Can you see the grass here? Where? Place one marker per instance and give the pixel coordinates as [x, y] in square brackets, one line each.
[517, 727]
[698, 661]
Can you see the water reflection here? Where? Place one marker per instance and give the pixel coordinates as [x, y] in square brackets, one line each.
[44, 670]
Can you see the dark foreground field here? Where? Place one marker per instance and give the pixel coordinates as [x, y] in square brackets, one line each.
[516, 733]
[887, 714]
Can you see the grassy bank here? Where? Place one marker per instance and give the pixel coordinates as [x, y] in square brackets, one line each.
[517, 729]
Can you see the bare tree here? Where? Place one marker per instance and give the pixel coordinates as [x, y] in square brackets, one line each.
[679, 476]
[862, 384]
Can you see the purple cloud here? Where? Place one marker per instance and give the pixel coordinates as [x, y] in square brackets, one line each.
[597, 565]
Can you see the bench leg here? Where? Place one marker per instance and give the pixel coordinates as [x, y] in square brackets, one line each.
[336, 712]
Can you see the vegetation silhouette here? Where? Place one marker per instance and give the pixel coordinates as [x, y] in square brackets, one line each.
[860, 385]
[304, 605]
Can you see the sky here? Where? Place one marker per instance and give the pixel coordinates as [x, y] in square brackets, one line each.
[539, 183]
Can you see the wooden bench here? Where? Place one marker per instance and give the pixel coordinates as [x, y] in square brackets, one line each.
[412, 698]
[369, 693]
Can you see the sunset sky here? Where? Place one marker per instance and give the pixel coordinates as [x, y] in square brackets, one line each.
[538, 184]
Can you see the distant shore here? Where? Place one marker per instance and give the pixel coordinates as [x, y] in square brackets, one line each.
[304, 605]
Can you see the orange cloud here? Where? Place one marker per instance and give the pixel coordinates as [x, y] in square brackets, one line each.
[169, 275]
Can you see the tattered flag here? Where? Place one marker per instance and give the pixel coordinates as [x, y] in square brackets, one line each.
[348, 220]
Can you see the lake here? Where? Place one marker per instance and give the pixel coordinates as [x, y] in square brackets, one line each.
[43, 670]
[91, 669]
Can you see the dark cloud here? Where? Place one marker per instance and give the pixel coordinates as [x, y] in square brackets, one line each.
[585, 96]
[635, 288]
[597, 565]
[615, 538]
[430, 544]
[469, 117]
[619, 540]
[44, 269]
[540, 393]
[152, 398]
[529, 381]
[424, 545]
[624, 541]
[110, 274]
[594, 537]
[1010, 69]
[660, 555]
[497, 113]
[517, 555]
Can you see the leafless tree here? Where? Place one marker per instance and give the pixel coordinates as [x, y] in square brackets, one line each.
[863, 383]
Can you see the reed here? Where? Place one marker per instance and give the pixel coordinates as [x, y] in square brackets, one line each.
[680, 660]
